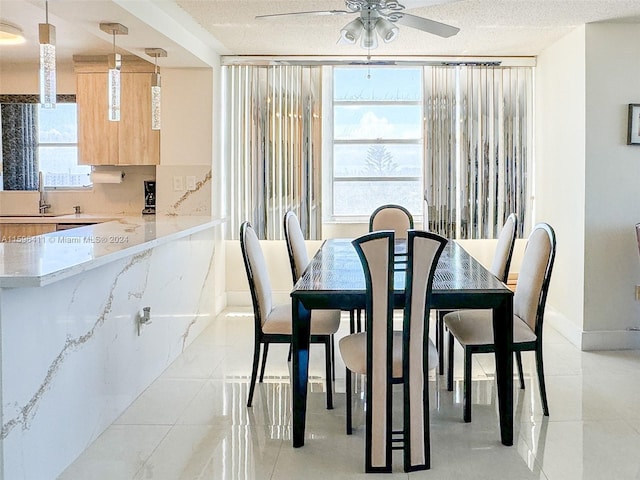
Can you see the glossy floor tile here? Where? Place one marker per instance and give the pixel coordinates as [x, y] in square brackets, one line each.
[192, 423]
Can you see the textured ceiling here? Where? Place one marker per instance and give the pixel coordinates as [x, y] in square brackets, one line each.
[192, 31]
[488, 27]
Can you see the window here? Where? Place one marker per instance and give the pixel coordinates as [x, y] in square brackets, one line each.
[377, 140]
[58, 147]
[35, 139]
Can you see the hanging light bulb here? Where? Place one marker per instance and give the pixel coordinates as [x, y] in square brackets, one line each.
[115, 64]
[156, 91]
[47, 34]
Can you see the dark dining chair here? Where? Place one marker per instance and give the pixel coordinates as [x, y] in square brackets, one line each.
[387, 357]
[273, 323]
[473, 329]
[499, 267]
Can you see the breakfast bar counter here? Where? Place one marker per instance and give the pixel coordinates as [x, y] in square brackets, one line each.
[76, 349]
[43, 259]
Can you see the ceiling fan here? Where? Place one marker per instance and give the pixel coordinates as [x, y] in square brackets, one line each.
[380, 18]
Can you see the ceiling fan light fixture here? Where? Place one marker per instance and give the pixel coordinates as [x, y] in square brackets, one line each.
[387, 30]
[351, 31]
[369, 40]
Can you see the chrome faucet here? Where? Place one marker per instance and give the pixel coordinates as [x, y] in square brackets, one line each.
[43, 206]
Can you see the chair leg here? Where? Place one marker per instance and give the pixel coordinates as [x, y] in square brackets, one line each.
[333, 358]
[327, 359]
[359, 320]
[290, 352]
[520, 374]
[440, 340]
[264, 360]
[450, 364]
[543, 388]
[348, 400]
[467, 385]
[254, 372]
[352, 321]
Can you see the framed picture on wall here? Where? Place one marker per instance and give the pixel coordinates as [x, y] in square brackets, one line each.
[633, 136]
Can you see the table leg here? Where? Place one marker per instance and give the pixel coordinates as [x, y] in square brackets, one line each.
[503, 338]
[300, 369]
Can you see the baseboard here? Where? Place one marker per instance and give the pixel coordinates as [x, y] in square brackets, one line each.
[563, 325]
[610, 340]
[593, 340]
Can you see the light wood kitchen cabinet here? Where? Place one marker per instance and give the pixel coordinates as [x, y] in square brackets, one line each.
[131, 141]
[11, 232]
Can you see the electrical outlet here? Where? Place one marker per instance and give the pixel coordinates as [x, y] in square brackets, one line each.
[637, 292]
[191, 182]
[178, 183]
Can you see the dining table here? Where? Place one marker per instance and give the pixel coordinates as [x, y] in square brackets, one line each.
[334, 279]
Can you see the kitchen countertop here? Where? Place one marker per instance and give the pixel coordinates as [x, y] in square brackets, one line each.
[55, 219]
[44, 259]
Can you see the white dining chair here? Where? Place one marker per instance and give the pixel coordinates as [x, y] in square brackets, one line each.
[473, 329]
[387, 357]
[273, 323]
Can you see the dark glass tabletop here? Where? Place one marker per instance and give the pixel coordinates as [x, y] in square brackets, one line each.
[336, 269]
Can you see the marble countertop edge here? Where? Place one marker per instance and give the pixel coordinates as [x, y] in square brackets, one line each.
[48, 258]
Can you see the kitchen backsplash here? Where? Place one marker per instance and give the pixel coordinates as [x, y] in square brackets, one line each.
[122, 198]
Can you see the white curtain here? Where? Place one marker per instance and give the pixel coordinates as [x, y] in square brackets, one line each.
[273, 147]
[478, 121]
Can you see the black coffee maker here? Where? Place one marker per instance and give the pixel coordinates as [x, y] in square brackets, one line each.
[149, 197]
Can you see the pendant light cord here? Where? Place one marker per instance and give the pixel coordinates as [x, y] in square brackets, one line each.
[46, 11]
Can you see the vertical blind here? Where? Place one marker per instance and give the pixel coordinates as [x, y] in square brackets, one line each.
[19, 161]
[273, 147]
[477, 146]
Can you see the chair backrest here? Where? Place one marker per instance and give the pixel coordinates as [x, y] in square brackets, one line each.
[376, 252]
[257, 273]
[424, 251]
[298, 258]
[391, 217]
[504, 248]
[533, 278]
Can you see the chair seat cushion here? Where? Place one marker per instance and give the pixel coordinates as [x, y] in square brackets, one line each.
[353, 349]
[323, 322]
[475, 327]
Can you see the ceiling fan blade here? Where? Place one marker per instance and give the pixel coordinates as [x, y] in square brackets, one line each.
[409, 4]
[314, 12]
[426, 25]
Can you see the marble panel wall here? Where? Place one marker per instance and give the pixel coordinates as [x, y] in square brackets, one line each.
[72, 356]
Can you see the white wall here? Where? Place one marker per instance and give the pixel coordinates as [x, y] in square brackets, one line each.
[560, 170]
[586, 181]
[612, 201]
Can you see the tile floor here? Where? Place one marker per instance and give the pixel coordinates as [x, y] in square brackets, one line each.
[192, 423]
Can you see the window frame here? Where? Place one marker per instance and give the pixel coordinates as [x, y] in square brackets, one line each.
[329, 142]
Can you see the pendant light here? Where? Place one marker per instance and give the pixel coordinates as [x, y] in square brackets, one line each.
[155, 87]
[115, 63]
[47, 35]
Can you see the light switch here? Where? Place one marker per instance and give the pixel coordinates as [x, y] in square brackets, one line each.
[178, 183]
[191, 182]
